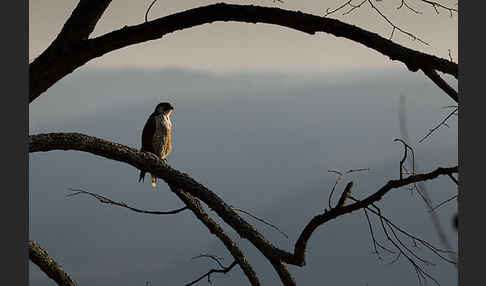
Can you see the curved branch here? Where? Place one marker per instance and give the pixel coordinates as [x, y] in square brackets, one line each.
[39, 257]
[48, 69]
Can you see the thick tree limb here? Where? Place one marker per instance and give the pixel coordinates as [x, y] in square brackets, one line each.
[39, 257]
[82, 21]
[178, 180]
[48, 68]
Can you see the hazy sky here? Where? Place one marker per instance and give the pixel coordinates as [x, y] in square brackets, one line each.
[221, 47]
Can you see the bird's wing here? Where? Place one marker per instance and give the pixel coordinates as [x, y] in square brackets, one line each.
[148, 133]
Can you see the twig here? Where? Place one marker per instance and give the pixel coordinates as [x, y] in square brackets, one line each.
[404, 3]
[396, 27]
[213, 257]
[375, 243]
[421, 274]
[443, 203]
[106, 200]
[450, 56]
[353, 7]
[260, 220]
[453, 179]
[442, 123]
[341, 176]
[336, 9]
[345, 195]
[223, 270]
[437, 251]
[436, 4]
[150, 6]
[402, 161]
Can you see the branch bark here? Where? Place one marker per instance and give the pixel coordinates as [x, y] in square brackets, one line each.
[48, 68]
[49, 266]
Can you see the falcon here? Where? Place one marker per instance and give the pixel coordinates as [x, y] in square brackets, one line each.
[156, 135]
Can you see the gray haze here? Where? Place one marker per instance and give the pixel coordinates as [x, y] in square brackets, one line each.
[262, 141]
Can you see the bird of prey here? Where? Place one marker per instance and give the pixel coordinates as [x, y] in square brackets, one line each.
[156, 134]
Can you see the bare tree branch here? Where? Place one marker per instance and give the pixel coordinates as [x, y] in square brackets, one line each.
[403, 170]
[48, 68]
[301, 244]
[261, 220]
[435, 77]
[375, 242]
[395, 27]
[453, 179]
[345, 195]
[437, 251]
[212, 257]
[437, 5]
[148, 9]
[49, 266]
[340, 178]
[443, 203]
[223, 270]
[181, 183]
[108, 201]
[442, 123]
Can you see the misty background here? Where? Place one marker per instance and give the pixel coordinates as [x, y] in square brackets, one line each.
[264, 142]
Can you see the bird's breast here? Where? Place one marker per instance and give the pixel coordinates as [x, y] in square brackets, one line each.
[161, 141]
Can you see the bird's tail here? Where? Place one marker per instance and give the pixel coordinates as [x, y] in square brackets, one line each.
[142, 176]
[154, 179]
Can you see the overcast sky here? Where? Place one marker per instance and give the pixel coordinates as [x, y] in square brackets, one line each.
[261, 114]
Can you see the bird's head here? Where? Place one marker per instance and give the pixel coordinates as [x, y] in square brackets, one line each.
[164, 108]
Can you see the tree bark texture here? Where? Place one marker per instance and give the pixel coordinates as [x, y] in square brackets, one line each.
[50, 267]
